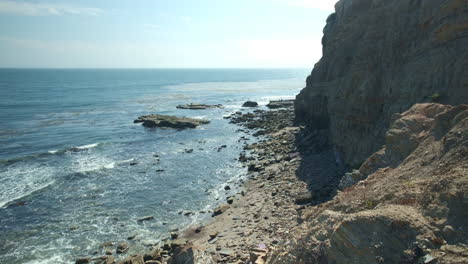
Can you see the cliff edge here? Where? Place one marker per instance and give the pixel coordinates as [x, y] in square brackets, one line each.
[380, 57]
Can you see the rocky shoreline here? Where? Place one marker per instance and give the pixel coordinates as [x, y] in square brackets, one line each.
[250, 223]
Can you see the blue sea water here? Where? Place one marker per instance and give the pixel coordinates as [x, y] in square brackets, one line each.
[75, 171]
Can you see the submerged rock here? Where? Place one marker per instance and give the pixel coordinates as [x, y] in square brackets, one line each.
[146, 218]
[193, 106]
[170, 121]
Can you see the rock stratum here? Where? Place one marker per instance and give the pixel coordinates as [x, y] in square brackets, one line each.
[380, 57]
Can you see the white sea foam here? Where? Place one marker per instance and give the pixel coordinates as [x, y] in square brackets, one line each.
[85, 162]
[22, 180]
[89, 146]
[110, 165]
[52, 151]
[126, 161]
[51, 260]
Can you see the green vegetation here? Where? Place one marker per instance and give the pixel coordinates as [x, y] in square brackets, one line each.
[435, 97]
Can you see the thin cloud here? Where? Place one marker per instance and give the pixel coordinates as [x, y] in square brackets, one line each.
[45, 9]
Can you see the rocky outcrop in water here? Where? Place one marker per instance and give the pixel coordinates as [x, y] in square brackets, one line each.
[170, 121]
[250, 104]
[380, 57]
[198, 106]
[280, 104]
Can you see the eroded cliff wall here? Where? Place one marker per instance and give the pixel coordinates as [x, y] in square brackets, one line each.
[380, 57]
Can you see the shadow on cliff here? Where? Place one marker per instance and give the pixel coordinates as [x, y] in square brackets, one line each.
[319, 168]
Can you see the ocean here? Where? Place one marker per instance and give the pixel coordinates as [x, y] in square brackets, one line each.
[75, 171]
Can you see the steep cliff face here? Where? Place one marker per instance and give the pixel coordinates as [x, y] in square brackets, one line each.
[380, 57]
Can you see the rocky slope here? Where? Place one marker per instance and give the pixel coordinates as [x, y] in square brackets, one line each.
[380, 57]
[412, 208]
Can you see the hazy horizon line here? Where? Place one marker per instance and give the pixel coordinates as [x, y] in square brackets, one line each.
[149, 68]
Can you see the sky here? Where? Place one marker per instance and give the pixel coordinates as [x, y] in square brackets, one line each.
[162, 33]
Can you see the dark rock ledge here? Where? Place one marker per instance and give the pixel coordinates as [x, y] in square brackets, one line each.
[170, 121]
[193, 106]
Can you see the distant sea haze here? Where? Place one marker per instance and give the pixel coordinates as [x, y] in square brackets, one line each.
[75, 171]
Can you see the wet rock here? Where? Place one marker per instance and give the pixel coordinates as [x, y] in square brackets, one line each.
[227, 187]
[153, 262]
[106, 244]
[220, 210]
[280, 104]
[230, 200]
[83, 261]
[154, 254]
[243, 157]
[198, 229]
[146, 218]
[250, 104]
[174, 235]
[188, 150]
[170, 121]
[177, 243]
[192, 106]
[221, 147]
[122, 248]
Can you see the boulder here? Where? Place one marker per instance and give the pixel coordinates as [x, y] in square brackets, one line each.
[304, 198]
[170, 121]
[191, 255]
[250, 104]
[122, 248]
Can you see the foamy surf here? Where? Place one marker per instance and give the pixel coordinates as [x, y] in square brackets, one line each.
[85, 147]
[21, 181]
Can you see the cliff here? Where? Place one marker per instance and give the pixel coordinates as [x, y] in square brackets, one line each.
[372, 100]
[380, 57]
[413, 212]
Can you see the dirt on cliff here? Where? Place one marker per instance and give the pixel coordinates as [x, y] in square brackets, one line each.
[408, 203]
